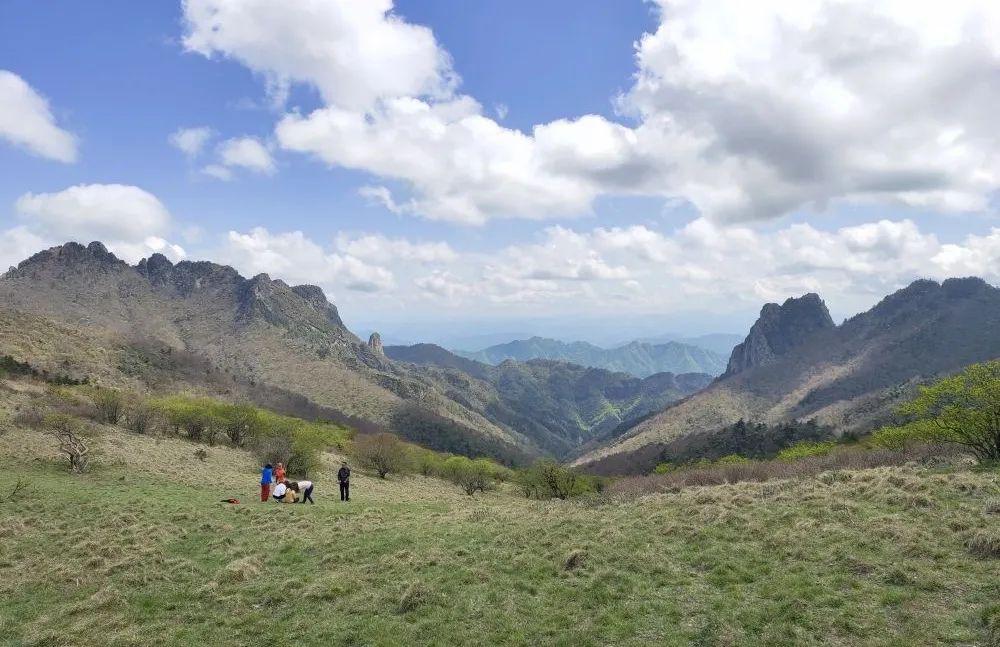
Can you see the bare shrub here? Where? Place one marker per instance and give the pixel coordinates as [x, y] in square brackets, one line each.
[383, 453]
[141, 418]
[109, 406]
[30, 418]
[274, 449]
[201, 454]
[66, 430]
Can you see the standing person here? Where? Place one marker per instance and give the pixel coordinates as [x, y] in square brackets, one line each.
[279, 473]
[266, 476]
[344, 476]
[305, 488]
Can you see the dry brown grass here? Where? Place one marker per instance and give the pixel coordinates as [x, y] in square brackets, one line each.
[761, 471]
[984, 543]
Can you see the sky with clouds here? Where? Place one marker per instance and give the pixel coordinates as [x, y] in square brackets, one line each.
[572, 168]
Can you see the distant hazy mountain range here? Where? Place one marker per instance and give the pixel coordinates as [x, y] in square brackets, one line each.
[721, 343]
[637, 358]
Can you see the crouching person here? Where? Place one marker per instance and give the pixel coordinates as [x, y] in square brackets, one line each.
[283, 493]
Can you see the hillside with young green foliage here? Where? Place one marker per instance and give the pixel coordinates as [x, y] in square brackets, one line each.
[140, 548]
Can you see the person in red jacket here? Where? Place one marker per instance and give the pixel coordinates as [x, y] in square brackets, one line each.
[279, 473]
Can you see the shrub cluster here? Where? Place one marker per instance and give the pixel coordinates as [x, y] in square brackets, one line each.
[962, 409]
[474, 475]
[385, 454]
[12, 367]
[547, 479]
[275, 438]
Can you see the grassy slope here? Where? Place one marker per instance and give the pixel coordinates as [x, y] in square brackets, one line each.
[136, 552]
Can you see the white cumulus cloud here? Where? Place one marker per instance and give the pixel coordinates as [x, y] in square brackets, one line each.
[294, 257]
[381, 249]
[190, 141]
[354, 51]
[27, 121]
[100, 211]
[131, 221]
[749, 111]
[247, 153]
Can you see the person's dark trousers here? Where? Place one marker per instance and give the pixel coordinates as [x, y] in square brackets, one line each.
[307, 494]
[345, 490]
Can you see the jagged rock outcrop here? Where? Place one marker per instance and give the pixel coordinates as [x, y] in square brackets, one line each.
[375, 344]
[796, 366]
[778, 330]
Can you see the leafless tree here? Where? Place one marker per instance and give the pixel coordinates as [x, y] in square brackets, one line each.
[65, 429]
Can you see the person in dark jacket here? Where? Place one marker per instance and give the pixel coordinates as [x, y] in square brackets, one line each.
[266, 476]
[344, 477]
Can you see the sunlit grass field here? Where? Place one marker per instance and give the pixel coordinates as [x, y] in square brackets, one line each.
[141, 550]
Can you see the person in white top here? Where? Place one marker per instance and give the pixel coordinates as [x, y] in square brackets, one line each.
[306, 489]
[281, 490]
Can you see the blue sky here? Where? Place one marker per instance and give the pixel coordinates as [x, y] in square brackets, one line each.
[574, 168]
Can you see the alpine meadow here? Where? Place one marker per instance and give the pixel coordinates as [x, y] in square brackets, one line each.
[429, 322]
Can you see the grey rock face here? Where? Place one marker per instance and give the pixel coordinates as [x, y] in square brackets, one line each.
[778, 330]
[375, 343]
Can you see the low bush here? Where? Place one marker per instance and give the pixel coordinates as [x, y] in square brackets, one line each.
[547, 479]
[109, 405]
[426, 462]
[382, 453]
[963, 409]
[806, 450]
[470, 475]
[142, 418]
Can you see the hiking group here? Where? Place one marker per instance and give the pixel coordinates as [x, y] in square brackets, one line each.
[286, 491]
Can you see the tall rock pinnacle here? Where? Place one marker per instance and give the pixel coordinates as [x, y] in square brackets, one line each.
[375, 343]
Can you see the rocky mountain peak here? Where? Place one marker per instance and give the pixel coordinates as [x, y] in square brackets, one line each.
[375, 343]
[69, 256]
[313, 294]
[779, 329]
[157, 268]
